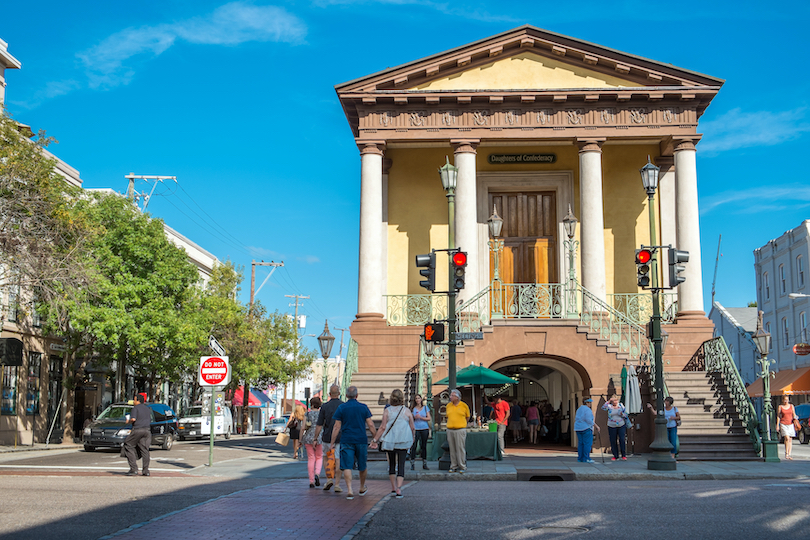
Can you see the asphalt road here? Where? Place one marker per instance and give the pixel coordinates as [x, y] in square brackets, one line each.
[601, 510]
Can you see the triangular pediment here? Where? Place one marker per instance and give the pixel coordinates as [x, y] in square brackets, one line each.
[526, 70]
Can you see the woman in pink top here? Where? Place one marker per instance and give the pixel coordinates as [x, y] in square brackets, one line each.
[533, 418]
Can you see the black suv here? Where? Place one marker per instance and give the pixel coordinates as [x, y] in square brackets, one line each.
[110, 428]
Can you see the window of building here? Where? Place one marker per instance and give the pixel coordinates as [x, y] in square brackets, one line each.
[766, 285]
[12, 305]
[32, 391]
[8, 390]
[803, 324]
[782, 284]
[800, 270]
[785, 333]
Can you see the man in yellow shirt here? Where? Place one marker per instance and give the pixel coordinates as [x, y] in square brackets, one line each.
[458, 414]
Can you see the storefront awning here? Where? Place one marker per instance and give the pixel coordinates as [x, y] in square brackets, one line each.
[787, 382]
[256, 399]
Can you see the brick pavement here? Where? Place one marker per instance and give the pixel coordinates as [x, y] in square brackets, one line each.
[281, 511]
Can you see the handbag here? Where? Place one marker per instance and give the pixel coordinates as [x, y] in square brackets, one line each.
[330, 463]
[389, 429]
[797, 425]
[283, 438]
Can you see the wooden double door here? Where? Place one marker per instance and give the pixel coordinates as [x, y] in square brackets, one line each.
[529, 235]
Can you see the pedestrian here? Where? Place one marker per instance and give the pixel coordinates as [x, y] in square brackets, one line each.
[324, 426]
[351, 420]
[514, 420]
[458, 414]
[421, 423]
[395, 436]
[140, 437]
[533, 418]
[500, 411]
[583, 426]
[673, 421]
[312, 442]
[617, 426]
[787, 415]
[295, 424]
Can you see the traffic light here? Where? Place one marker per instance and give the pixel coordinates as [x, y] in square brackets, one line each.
[675, 268]
[643, 258]
[459, 269]
[427, 263]
[434, 332]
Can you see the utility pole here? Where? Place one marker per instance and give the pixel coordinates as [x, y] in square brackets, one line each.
[340, 352]
[246, 386]
[132, 196]
[295, 347]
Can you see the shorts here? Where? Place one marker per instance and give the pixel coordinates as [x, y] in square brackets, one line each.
[328, 446]
[534, 422]
[351, 453]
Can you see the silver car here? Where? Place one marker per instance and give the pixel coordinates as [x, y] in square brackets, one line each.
[277, 425]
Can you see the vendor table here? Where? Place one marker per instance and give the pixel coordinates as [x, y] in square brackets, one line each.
[480, 445]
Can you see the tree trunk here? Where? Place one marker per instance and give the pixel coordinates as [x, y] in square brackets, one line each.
[245, 406]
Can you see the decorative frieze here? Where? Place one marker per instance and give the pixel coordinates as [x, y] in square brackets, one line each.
[526, 118]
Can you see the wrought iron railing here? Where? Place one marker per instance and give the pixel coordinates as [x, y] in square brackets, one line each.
[614, 326]
[415, 309]
[527, 300]
[350, 369]
[638, 306]
[716, 357]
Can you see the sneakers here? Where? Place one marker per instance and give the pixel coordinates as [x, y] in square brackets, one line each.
[462, 471]
[411, 465]
[311, 486]
[328, 485]
[338, 490]
[589, 461]
[624, 458]
[424, 466]
[317, 480]
[613, 459]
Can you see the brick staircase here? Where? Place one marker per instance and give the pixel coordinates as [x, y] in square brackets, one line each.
[711, 428]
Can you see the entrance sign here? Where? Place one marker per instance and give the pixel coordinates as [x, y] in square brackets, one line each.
[522, 158]
[214, 371]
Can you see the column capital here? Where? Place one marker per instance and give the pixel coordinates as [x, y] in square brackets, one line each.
[593, 144]
[371, 147]
[687, 143]
[387, 163]
[465, 146]
[666, 163]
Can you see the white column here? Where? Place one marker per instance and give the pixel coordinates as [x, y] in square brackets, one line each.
[690, 292]
[370, 272]
[592, 231]
[666, 201]
[467, 215]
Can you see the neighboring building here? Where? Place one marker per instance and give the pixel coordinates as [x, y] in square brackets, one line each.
[536, 123]
[736, 326]
[781, 269]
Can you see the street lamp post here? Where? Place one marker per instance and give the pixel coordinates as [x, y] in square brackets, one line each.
[570, 224]
[495, 224]
[762, 340]
[661, 459]
[325, 342]
[449, 176]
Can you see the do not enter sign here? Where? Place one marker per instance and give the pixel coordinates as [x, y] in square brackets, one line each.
[214, 371]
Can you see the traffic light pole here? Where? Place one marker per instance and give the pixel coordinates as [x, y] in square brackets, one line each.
[451, 294]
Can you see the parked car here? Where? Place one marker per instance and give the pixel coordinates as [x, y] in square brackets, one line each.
[196, 425]
[277, 425]
[803, 413]
[110, 428]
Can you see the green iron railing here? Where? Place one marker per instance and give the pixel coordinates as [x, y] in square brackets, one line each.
[717, 358]
[638, 306]
[350, 369]
[614, 326]
[415, 309]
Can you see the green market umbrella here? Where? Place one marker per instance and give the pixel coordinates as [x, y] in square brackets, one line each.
[478, 376]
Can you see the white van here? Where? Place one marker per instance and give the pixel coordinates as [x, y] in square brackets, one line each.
[195, 425]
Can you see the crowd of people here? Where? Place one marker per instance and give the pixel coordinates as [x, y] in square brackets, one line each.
[534, 421]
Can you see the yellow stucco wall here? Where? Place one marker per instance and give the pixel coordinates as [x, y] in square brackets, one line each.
[417, 207]
[524, 71]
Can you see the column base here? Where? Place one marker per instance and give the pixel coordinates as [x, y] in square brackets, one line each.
[770, 451]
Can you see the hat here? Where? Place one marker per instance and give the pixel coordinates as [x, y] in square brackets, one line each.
[587, 400]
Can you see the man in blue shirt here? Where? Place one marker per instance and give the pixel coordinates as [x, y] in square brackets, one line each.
[351, 419]
[584, 425]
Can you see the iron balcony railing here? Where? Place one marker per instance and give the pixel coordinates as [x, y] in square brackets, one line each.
[638, 307]
[415, 309]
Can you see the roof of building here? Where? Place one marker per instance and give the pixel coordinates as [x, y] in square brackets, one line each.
[744, 318]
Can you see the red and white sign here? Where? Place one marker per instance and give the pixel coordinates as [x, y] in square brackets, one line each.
[801, 349]
[214, 371]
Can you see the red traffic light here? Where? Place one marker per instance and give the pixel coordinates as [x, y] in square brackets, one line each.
[459, 258]
[643, 256]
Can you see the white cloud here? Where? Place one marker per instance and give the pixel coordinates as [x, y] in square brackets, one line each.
[759, 199]
[264, 253]
[737, 129]
[108, 64]
[462, 11]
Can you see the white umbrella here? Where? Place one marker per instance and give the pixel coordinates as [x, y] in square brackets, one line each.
[632, 391]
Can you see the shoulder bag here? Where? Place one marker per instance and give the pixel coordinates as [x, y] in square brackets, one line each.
[796, 424]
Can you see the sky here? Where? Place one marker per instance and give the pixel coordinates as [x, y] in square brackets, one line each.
[207, 91]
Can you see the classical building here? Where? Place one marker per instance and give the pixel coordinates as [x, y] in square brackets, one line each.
[536, 123]
[781, 271]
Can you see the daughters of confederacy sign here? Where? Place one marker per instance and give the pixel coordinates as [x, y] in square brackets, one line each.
[522, 158]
